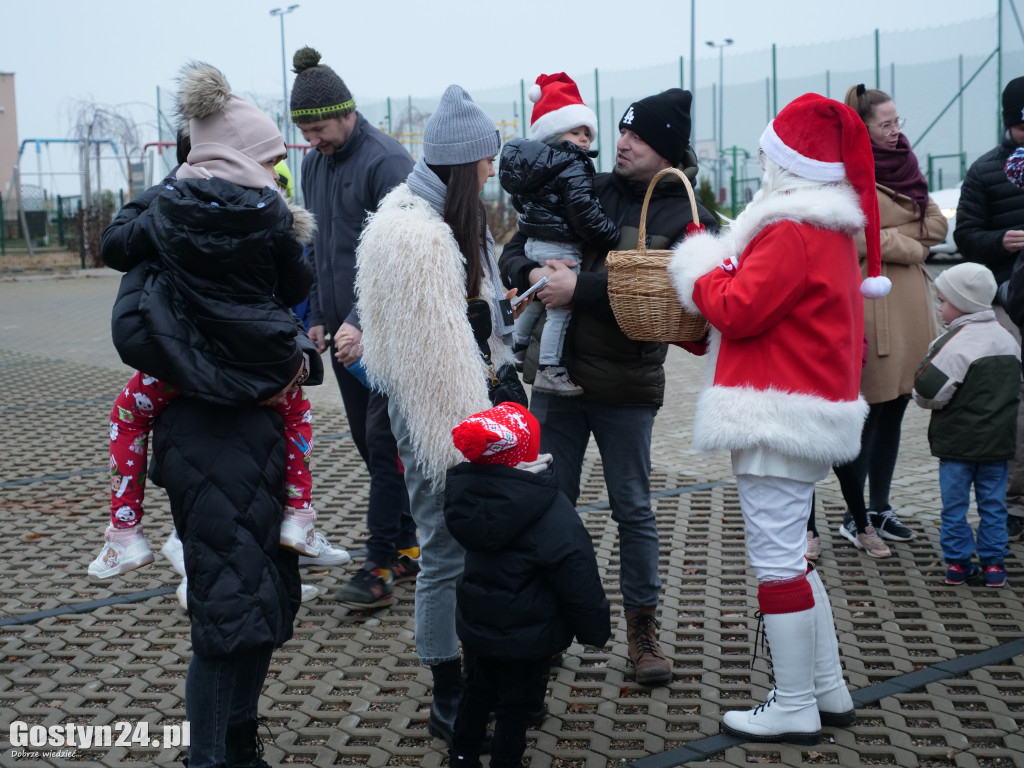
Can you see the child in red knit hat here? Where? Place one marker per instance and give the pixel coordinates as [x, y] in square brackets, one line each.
[530, 584]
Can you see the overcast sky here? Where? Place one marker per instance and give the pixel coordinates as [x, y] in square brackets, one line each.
[115, 52]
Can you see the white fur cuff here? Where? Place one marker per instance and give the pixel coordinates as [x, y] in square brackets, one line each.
[694, 257]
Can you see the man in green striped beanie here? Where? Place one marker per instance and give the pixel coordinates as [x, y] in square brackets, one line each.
[353, 166]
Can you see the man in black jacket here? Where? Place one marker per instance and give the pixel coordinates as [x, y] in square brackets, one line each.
[352, 166]
[990, 231]
[623, 380]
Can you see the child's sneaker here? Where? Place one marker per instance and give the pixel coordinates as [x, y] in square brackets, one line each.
[326, 554]
[995, 575]
[367, 589]
[124, 549]
[956, 574]
[554, 380]
[175, 552]
[298, 532]
[404, 569]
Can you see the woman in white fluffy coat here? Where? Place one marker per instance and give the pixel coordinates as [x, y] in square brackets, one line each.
[780, 290]
[422, 256]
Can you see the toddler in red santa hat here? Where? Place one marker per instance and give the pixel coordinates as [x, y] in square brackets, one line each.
[530, 584]
[550, 177]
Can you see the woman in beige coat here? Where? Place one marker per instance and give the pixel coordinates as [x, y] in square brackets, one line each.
[898, 328]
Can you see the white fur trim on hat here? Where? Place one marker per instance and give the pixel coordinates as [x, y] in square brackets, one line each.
[797, 164]
[558, 121]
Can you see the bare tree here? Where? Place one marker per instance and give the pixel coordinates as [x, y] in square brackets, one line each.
[94, 124]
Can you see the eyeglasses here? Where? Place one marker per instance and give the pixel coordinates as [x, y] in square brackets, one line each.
[890, 126]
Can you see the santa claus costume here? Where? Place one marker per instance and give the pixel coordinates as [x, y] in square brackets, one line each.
[780, 289]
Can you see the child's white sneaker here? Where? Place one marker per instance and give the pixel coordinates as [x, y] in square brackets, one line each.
[173, 550]
[298, 531]
[124, 549]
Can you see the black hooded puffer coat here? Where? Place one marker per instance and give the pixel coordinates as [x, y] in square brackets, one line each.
[531, 581]
[206, 306]
[223, 469]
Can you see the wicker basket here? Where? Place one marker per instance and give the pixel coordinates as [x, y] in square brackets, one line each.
[642, 296]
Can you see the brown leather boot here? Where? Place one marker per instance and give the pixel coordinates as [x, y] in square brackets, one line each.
[650, 665]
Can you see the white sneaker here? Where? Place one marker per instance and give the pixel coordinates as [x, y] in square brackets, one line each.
[309, 591]
[298, 531]
[182, 594]
[124, 549]
[173, 550]
[328, 555]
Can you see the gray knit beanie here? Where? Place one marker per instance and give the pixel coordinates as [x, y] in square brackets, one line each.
[968, 286]
[459, 132]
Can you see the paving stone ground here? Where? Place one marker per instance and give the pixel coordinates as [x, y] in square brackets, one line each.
[348, 689]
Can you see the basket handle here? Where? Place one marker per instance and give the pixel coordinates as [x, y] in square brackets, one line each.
[641, 245]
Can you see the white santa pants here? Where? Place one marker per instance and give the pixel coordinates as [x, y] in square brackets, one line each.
[775, 513]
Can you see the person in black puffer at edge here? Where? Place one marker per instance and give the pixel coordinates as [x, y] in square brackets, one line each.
[530, 585]
[990, 231]
[219, 258]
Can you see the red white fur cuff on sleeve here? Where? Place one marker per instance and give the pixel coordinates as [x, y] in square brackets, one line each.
[694, 257]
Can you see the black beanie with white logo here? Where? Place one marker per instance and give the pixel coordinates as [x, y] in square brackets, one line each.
[663, 121]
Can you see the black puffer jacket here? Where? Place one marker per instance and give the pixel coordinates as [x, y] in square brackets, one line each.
[552, 187]
[206, 306]
[118, 246]
[612, 368]
[223, 469]
[531, 581]
[989, 206]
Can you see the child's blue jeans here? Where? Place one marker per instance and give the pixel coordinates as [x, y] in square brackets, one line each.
[957, 539]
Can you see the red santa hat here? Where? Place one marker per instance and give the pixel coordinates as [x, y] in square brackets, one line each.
[505, 434]
[824, 140]
[558, 107]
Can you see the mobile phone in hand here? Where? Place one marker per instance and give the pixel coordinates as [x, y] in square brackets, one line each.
[531, 290]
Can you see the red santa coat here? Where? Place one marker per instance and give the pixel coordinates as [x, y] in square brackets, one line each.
[787, 326]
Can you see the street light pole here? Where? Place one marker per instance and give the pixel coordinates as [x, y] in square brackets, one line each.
[281, 13]
[721, 93]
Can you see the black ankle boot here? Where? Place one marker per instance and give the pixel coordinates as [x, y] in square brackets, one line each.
[447, 694]
[243, 745]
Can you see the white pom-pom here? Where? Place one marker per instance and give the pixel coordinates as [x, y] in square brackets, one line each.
[534, 93]
[875, 287]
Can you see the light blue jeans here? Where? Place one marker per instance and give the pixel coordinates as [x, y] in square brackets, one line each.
[557, 320]
[623, 435]
[956, 537]
[442, 559]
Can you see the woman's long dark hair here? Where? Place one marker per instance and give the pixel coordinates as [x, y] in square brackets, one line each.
[464, 212]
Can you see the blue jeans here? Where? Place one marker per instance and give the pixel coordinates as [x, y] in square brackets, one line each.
[387, 514]
[956, 537]
[623, 435]
[442, 559]
[220, 692]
